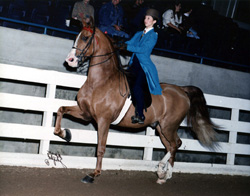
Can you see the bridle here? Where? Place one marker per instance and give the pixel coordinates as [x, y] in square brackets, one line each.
[85, 49]
[87, 46]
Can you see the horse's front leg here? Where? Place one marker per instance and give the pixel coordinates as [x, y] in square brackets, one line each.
[71, 110]
[103, 129]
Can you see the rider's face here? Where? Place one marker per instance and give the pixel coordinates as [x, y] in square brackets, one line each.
[149, 21]
[177, 7]
[115, 2]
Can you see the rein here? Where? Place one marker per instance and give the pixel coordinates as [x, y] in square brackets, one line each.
[85, 49]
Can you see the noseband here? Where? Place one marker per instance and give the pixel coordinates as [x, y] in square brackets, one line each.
[86, 48]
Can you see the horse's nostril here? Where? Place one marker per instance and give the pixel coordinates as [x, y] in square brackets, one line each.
[71, 59]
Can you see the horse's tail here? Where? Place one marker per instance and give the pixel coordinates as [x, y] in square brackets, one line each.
[198, 117]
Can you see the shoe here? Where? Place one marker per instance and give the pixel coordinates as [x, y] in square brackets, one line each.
[141, 119]
[134, 119]
[138, 119]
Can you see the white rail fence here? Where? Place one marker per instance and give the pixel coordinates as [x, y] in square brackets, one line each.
[49, 105]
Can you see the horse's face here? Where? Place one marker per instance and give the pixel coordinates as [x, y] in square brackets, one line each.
[83, 46]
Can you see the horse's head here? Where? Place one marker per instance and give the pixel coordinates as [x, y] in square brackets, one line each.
[84, 44]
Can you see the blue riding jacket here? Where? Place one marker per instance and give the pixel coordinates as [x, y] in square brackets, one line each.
[142, 47]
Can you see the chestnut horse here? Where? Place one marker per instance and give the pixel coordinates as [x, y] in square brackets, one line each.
[105, 91]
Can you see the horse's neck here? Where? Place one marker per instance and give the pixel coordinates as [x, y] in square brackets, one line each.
[103, 68]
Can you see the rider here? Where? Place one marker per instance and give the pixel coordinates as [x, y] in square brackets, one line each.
[142, 44]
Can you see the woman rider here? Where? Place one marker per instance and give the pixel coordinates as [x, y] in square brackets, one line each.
[142, 44]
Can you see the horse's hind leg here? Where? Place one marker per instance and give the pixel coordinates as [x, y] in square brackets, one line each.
[172, 142]
[71, 110]
[175, 143]
[162, 169]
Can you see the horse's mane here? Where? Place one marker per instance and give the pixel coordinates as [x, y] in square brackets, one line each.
[116, 45]
[114, 42]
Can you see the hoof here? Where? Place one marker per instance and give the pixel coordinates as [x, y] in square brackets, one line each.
[161, 181]
[87, 179]
[67, 135]
[161, 175]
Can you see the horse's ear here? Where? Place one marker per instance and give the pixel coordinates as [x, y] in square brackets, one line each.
[84, 23]
[88, 22]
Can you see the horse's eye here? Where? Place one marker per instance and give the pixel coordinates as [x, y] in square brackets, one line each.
[84, 38]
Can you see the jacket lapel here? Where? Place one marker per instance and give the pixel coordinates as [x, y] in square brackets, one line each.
[145, 35]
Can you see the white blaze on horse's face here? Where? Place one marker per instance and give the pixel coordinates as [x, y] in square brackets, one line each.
[71, 59]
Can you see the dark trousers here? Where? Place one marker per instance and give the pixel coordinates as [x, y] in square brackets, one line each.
[138, 84]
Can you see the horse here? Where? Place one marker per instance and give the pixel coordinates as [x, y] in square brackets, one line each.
[106, 90]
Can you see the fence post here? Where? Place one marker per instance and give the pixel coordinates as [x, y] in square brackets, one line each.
[47, 118]
[233, 136]
[45, 31]
[148, 152]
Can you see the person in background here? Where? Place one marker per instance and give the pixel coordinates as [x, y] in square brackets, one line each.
[172, 30]
[111, 19]
[187, 25]
[172, 18]
[135, 14]
[81, 9]
[141, 66]
[192, 40]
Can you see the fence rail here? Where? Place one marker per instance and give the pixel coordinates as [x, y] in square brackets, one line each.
[44, 27]
[49, 105]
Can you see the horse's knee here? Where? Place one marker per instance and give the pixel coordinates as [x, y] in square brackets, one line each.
[59, 115]
[61, 111]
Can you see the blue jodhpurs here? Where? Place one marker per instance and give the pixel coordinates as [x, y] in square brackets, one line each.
[140, 81]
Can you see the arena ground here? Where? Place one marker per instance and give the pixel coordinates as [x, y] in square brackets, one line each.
[22, 181]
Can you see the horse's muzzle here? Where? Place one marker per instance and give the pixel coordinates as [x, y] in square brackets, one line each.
[71, 59]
